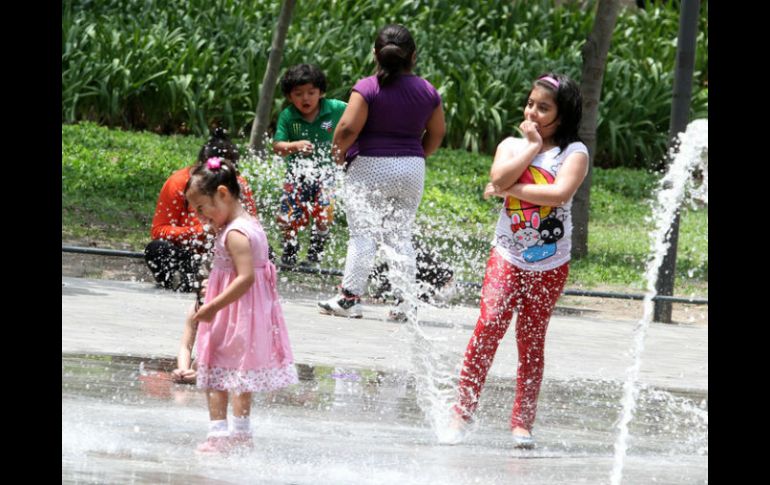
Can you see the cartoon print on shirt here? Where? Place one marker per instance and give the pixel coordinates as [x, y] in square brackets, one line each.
[525, 235]
[505, 242]
[533, 175]
[551, 230]
[536, 229]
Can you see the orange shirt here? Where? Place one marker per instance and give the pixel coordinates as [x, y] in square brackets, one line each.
[175, 220]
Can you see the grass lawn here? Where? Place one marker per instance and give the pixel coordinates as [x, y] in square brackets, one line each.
[111, 180]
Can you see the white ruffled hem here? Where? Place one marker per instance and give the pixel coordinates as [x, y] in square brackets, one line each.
[262, 380]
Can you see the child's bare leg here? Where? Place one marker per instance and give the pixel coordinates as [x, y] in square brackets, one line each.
[241, 421]
[242, 405]
[217, 405]
[216, 439]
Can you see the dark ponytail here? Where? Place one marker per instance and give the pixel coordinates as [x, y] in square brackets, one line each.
[219, 145]
[393, 47]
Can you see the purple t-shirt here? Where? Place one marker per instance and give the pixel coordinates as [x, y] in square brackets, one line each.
[397, 116]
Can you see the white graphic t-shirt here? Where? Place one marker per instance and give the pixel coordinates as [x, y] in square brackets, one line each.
[533, 237]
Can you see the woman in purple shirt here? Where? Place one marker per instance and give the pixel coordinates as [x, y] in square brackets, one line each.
[396, 120]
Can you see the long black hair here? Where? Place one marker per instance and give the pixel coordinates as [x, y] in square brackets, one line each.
[569, 104]
[393, 47]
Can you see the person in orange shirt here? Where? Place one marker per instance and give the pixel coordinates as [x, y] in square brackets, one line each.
[179, 239]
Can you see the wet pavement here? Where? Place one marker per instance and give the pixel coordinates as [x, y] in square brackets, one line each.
[354, 417]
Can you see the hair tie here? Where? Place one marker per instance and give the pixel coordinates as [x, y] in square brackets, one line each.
[214, 163]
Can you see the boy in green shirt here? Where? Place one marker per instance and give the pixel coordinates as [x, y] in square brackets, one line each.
[303, 135]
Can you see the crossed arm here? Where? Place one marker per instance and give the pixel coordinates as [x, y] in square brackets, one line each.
[508, 167]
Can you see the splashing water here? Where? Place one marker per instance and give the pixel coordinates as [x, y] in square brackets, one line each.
[266, 172]
[432, 371]
[692, 155]
[434, 374]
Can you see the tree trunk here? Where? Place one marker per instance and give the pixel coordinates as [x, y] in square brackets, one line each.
[266, 93]
[594, 59]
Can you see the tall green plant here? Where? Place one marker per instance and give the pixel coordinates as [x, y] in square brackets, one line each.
[179, 66]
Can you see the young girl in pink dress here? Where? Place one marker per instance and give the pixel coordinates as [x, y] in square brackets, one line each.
[242, 342]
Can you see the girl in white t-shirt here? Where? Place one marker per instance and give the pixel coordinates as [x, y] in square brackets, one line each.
[537, 176]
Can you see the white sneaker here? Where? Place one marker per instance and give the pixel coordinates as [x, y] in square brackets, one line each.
[523, 441]
[342, 307]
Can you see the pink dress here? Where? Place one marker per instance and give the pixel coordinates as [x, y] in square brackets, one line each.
[246, 347]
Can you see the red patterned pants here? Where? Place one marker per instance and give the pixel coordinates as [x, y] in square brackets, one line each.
[533, 294]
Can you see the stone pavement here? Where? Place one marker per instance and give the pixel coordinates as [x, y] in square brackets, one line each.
[137, 319]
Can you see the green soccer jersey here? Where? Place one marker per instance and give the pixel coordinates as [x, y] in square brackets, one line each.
[292, 127]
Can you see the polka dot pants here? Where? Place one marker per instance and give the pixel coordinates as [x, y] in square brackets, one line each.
[381, 199]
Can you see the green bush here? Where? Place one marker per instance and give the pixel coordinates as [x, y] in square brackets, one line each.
[179, 66]
[111, 180]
